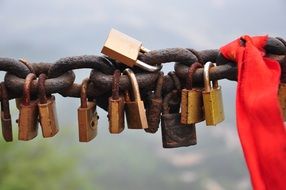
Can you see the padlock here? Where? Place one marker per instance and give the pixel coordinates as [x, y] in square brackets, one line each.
[116, 106]
[5, 115]
[28, 117]
[192, 100]
[125, 49]
[175, 134]
[154, 109]
[47, 110]
[18, 102]
[212, 98]
[135, 110]
[87, 116]
[282, 98]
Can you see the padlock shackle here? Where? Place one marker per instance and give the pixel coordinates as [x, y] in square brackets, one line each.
[116, 84]
[166, 101]
[207, 84]
[27, 64]
[134, 84]
[27, 88]
[176, 80]
[192, 69]
[83, 93]
[148, 67]
[159, 86]
[42, 88]
[5, 108]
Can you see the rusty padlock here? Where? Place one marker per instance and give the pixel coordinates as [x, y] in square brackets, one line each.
[5, 115]
[47, 110]
[125, 49]
[282, 99]
[28, 117]
[212, 98]
[154, 108]
[192, 100]
[135, 109]
[175, 134]
[87, 116]
[116, 106]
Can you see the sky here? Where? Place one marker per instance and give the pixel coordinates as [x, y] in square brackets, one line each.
[49, 30]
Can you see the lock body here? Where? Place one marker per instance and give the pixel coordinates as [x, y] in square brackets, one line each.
[48, 117]
[175, 134]
[135, 114]
[153, 114]
[87, 122]
[191, 106]
[213, 106]
[282, 98]
[121, 47]
[28, 121]
[116, 115]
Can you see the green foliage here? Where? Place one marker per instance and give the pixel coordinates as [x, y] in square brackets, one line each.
[38, 165]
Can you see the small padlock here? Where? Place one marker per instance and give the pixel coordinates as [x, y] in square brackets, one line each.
[5, 115]
[135, 110]
[28, 117]
[87, 116]
[116, 106]
[175, 134]
[282, 98]
[126, 49]
[153, 112]
[212, 98]
[47, 110]
[192, 100]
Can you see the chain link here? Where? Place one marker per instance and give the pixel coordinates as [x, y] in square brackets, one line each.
[61, 77]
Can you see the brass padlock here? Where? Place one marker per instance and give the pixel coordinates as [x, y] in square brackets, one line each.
[282, 98]
[28, 117]
[212, 97]
[116, 106]
[154, 109]
[192, 100]
[47, 110]
[175, 134]
[5, 115]
[126, 49]
[135, 110]
[87, 116]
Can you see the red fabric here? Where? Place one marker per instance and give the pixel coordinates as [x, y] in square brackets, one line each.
[259, 118]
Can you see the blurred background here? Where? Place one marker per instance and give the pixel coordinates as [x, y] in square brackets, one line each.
[49, 30]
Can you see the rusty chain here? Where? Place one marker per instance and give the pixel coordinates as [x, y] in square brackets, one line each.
[60, 75]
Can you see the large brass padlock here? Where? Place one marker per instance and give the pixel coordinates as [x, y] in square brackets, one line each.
[28, 117]
[47, 110]
[282, 98]
[135, 110]
[192, 100]
[5, 115]
[125, 49]
[212, 97]
[154, 107]
[116, 106]
[175, 134]
[87, 116]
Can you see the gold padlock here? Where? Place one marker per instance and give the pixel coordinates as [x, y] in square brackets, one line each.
[87, 116]
[47, 110]
[282, 98]
[212, 98]
[28, 117]
[126, 49]
[116, 106]
[192, 100]
[135, 110]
